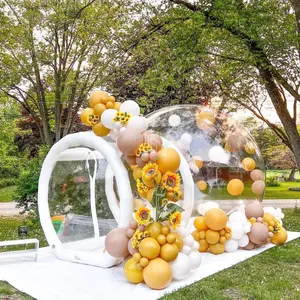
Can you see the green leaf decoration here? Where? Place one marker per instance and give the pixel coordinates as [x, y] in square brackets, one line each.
[169, 209]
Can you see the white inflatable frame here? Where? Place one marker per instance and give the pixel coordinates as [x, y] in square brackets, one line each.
[87, 139]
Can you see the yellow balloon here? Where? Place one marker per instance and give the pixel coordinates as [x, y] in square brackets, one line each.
[248, 164]
[198, 162]
[203, 246]
[99, 109]
[137, 173]
[84, 116]
[100, 130]
[250, 148]
[215, 219]
[150, 194]
[117, 105]
[154, 229]
[235, 187]
[217, 248]
[212, 237]
[179, 241]
[132, 272]
[149, 248]
[157, 274]
[98, 97]
[169, 252]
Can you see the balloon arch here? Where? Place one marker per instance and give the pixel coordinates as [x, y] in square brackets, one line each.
[155, 173]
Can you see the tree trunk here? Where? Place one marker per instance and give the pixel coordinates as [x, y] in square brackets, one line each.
[292, 174]
[280, 106]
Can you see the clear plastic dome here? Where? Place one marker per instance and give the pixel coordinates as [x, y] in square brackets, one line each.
[223, 157]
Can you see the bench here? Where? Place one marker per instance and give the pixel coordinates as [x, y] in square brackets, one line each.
[23, 242]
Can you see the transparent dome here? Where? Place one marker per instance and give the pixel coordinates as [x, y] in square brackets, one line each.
[224, 159]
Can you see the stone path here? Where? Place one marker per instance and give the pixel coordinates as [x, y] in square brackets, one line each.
[9, 209]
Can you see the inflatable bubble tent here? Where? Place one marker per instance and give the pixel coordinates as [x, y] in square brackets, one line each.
[85, 188]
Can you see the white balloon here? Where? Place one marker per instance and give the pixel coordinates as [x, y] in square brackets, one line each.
[237, 230]
[174, 120]
[231, 245]
[247, 227]
[186, 137]
[107, 118]
[114, 134]
[186, 250]
[195, 259]
[238, 216]
[122, 129]
[244, 241]
[188, 241]
[118, 125]
[218, 154]
[139, 124]
[180, 266]
[204, 207]
[131, 107]
[195, 246]
[182, 231]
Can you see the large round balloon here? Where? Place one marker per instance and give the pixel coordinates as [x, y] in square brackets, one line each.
[223, 157]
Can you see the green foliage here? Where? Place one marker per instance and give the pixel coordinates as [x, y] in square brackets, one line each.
[27, 185]
[4, 182]
[6, 194]
[272, 182]
[295, 189]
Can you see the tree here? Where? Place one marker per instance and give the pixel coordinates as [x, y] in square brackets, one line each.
[243, 47]
[53, 53]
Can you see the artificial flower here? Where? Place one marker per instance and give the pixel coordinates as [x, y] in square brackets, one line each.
[171, 181]
[122, 117]
[143, 216]
[175, 219]
[164, 201]
[144, 147]
[142, 188]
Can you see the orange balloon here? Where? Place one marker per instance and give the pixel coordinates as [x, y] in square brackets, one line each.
[154, 229]
[100, 130]
[98, 97]
[198, 161]
[250, 148]
[157, 274]
[235, 187]
[200, 224]
[248, 164]
[212, 237]
[112, 99]
[149, 248]
[279, 238]
[215, 219]
[202, 185]
[84, 116]
[179, 241]
[99, 109]
[109, 104]
[168, 160]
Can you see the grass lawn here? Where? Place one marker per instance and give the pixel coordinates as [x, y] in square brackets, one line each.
[282, 191]
[271, 275]
[6, 194]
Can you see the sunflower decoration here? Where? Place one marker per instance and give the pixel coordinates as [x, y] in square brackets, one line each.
[144, 147]
[175, 219]
[277, 227]
[138, 237]
[142, 188]
[175, 196]
[143, 216]
[164, 201]
[151, 174]
[94, 119]
[122, 117]
[171, 181]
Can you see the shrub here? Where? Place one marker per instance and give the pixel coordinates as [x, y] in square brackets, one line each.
[27, 185]
[4, 182]
[272, 182]
[295, 189]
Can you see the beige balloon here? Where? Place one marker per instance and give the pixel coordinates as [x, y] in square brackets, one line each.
[257, 175]
[254, 210]
[129, 141]
[259, 233]
[116, 243]
[258, 187]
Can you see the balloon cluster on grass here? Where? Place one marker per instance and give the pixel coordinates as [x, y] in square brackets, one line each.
[248, 228]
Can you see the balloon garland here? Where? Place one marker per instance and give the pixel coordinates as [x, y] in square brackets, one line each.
[159, 246]
[247, 229]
